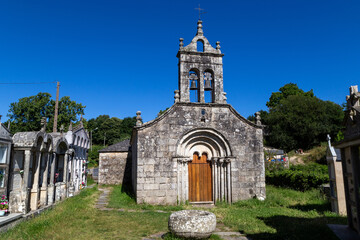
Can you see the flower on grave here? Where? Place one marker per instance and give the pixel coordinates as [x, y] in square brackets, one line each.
[4, 203]
[21, 172]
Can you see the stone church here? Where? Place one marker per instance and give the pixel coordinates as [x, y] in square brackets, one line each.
[201, 149]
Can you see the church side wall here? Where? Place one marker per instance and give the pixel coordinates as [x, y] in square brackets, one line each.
[157, 170]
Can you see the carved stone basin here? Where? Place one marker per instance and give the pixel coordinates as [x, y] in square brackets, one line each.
[194, 224]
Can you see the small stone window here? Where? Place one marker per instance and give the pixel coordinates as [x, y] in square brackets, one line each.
[200, 46]
[3, 153]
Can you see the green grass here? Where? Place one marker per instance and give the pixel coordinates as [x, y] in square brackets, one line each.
[285, 214]
[90, 180]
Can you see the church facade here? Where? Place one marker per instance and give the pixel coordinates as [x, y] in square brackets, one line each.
[201, 149]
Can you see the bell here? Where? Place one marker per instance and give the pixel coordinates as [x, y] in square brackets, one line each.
[207, 86]
[193, 85]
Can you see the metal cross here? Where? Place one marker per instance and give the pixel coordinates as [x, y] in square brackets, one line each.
[200, 9]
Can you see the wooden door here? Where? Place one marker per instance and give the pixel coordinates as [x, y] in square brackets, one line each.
[200, 182]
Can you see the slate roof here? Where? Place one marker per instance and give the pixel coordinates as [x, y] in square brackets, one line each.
[274, 151]
[122, 146]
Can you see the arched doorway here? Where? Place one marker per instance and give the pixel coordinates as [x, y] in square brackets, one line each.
[204, 169]
[200, 179]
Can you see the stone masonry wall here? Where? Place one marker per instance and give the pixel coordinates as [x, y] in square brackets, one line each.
[156, 181]
[113, 168]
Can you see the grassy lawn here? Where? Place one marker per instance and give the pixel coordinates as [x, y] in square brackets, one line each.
[285, 214]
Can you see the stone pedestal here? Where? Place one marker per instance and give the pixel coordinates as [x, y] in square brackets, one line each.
[194, 224]
[34, 198]
[43, 196]
[57, 192]
[50, 193]
[63, 190]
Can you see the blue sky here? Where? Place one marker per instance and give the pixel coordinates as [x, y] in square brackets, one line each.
[118, 57]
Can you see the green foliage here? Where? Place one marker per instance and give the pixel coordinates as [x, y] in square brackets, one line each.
[113, 130]
[89, 180]
[300, 121]
[317, 154]
[26, 114]
[299, 177]
[339, 136]
[161, 112]
[93, 155]
[287, 90]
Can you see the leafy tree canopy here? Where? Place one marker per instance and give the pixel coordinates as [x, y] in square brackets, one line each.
[302, 121]
[26, 114]
[113, 129]
[286, 91]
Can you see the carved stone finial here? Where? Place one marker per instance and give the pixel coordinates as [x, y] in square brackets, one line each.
[199, 28]
[138, 119]
[257, 118]
[81, 121]
[224, 98]
[70, 126]
[181, 44]
[43, 124]
[177, 96]
[218, 45]
[62, 128]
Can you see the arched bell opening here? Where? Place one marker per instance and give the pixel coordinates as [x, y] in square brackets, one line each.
[209, 86]
[194, 85]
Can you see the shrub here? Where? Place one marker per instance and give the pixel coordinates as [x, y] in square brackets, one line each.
[299, 177]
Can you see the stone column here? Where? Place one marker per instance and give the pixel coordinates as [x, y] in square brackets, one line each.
[228, 179]
[34, 196]
[19, 201]
[51, 188]
[179, 179]
[65, 177]
[201, 86]
[71, 181]
[214, 176]
[222, 185]
[44, 185]
[81, 170]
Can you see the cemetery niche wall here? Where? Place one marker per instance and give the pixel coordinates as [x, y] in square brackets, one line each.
[43, 166]
[350, 157]
[201, 149]
[5, 152]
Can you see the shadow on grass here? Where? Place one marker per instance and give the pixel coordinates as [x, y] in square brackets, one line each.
[296, 228]
[320, 208]
[128, 190]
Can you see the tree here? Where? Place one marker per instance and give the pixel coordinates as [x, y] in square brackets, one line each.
[112, 130]
[26, 114]
[302, 121]
[287, 90]
[161, 112]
